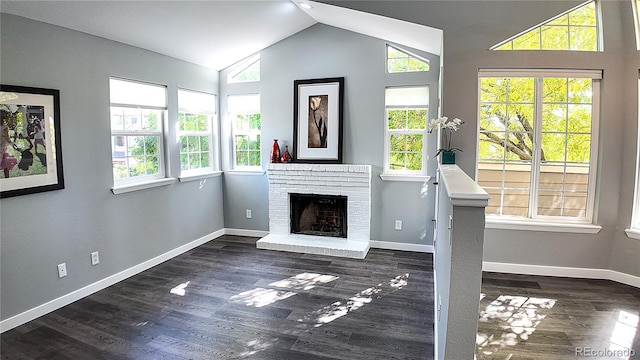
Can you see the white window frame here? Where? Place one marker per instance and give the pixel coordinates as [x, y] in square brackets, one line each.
[241, 67]
[199, 103]
[599, 38]
[406, 175]
[409, 56]
[234, 111]
[141, 101]
[634, 229]
[555, 222]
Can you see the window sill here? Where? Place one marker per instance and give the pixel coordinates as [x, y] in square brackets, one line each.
[193, 177]
[546, 226]
[633, 233]
[405, 177]
[245, 172]
[122, 189]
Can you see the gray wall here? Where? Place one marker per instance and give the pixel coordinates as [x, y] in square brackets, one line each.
[42, 230]
[320, 52]
[470, 28]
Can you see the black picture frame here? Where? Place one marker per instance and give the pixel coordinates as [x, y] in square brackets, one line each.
[30, 138]
[318, 120]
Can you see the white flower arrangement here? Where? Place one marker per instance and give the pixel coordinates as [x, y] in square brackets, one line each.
[448, 128]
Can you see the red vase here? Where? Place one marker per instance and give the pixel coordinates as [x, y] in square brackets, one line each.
[275, 152]
[286, 157]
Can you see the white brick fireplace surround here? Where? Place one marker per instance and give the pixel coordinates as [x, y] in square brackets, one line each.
[352, 181]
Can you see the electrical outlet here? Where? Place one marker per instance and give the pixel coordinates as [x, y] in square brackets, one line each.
[398, 224]
[95, 258]
[62, 270]
[248, 214]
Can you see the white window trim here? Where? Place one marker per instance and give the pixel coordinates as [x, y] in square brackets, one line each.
[214, 141]
[599, 40]
[123, 189]
[540, 222]
[231, 116]
[199, 176]
[405, 175]
[161, 153]
[496, 222]
[410, 54]
[242, 66]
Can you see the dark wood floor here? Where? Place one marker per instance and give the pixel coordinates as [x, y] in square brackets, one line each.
[228, 300]
[537, 317]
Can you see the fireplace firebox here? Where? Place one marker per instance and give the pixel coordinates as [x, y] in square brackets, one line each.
[323, 215]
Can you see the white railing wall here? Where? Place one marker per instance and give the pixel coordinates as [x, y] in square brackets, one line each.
[458, 253]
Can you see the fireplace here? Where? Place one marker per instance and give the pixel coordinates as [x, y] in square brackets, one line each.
[345, 188]
[322, 215]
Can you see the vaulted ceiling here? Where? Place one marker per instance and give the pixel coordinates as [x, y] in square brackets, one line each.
[213, 33]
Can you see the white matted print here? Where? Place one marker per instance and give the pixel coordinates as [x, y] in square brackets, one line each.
[318, 120]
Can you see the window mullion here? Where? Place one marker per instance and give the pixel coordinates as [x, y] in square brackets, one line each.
[537, 144]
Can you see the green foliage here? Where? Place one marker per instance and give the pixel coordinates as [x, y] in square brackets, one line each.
[576, 30]
[507, 119]
[405, 152]
[399, 61]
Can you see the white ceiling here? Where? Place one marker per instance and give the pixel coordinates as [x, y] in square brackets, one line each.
[212, 33]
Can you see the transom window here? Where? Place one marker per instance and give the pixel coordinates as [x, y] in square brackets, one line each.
[537, 143]
[244, 112]
[406, 129]
[248, 70]
[576, 29]
[196, 117]
[400, 61]
[137, 117]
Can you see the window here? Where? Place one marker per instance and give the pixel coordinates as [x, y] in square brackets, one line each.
[401, 61]
[576, 29]
[196, 117]
[248, 70]
[406, 129]
[537, 143]
[244, 112]
[137, 116]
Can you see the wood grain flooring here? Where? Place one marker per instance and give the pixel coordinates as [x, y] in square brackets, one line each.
[550, 318]
[228, 300]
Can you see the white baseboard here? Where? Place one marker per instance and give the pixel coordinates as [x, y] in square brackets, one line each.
[571, 272]
[67, 299]
[389, 245]
[244, 232]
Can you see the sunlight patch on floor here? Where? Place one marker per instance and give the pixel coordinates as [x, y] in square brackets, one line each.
[517, 317]
[341, 308]
[180, 289]
[624, 331]
[260, 297]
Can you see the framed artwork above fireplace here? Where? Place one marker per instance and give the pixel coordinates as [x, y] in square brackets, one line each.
[317, 120]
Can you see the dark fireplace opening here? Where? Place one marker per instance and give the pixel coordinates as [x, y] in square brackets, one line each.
[324, 215]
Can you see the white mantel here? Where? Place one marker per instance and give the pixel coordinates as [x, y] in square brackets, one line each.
[352, 181]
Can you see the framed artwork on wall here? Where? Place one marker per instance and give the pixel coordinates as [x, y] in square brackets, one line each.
[317, 120]
[30, 141]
